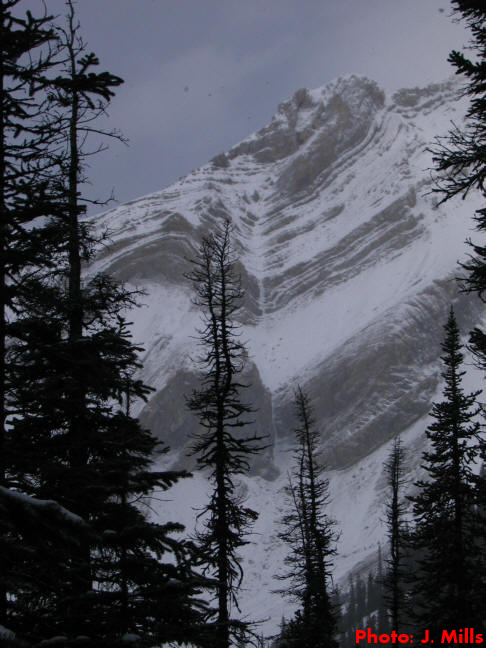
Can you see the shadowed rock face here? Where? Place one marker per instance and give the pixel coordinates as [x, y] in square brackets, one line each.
[169, 418]
[379, 383]
[347, 263]
[148, 260]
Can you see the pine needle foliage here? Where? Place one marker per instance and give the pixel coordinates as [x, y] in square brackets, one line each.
[460, 156]
[222, 447]
[447, 592]
[309, 533]
[27, 45]
[396, 569]
[72, 437]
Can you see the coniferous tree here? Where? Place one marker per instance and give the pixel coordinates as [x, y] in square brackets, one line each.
[351, 607]
[144, 577]
[73, 441]
[55, 355]
[309, 533]
[371, 614]
[373, 593]
[222, 413]
[460, 157]
[27, 46]
[395, 509]
[447, 588]
[40, 530]
[360, 599]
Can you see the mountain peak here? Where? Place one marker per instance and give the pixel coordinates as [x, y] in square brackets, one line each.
[345, 106]
[329, 199]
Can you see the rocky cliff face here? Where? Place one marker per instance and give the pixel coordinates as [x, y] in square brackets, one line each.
[348, 266]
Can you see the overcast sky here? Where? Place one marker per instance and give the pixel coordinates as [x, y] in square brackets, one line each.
[200, 75]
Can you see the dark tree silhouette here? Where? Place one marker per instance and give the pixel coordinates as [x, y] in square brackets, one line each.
[74, 440]
[460, 157]
[25, 57]
[396, 531]
[221, 446]
[447, 588]
[309, 533]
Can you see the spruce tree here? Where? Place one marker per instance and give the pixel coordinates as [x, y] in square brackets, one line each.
[460, 157]
[309, 533]
[73, 436]
[447, 588]
[33, 531]
[27, 46]
[396, 531]
[55, 355]
[144, 576]
[222, 447]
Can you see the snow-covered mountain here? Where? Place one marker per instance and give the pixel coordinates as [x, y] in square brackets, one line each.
[348, 266]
